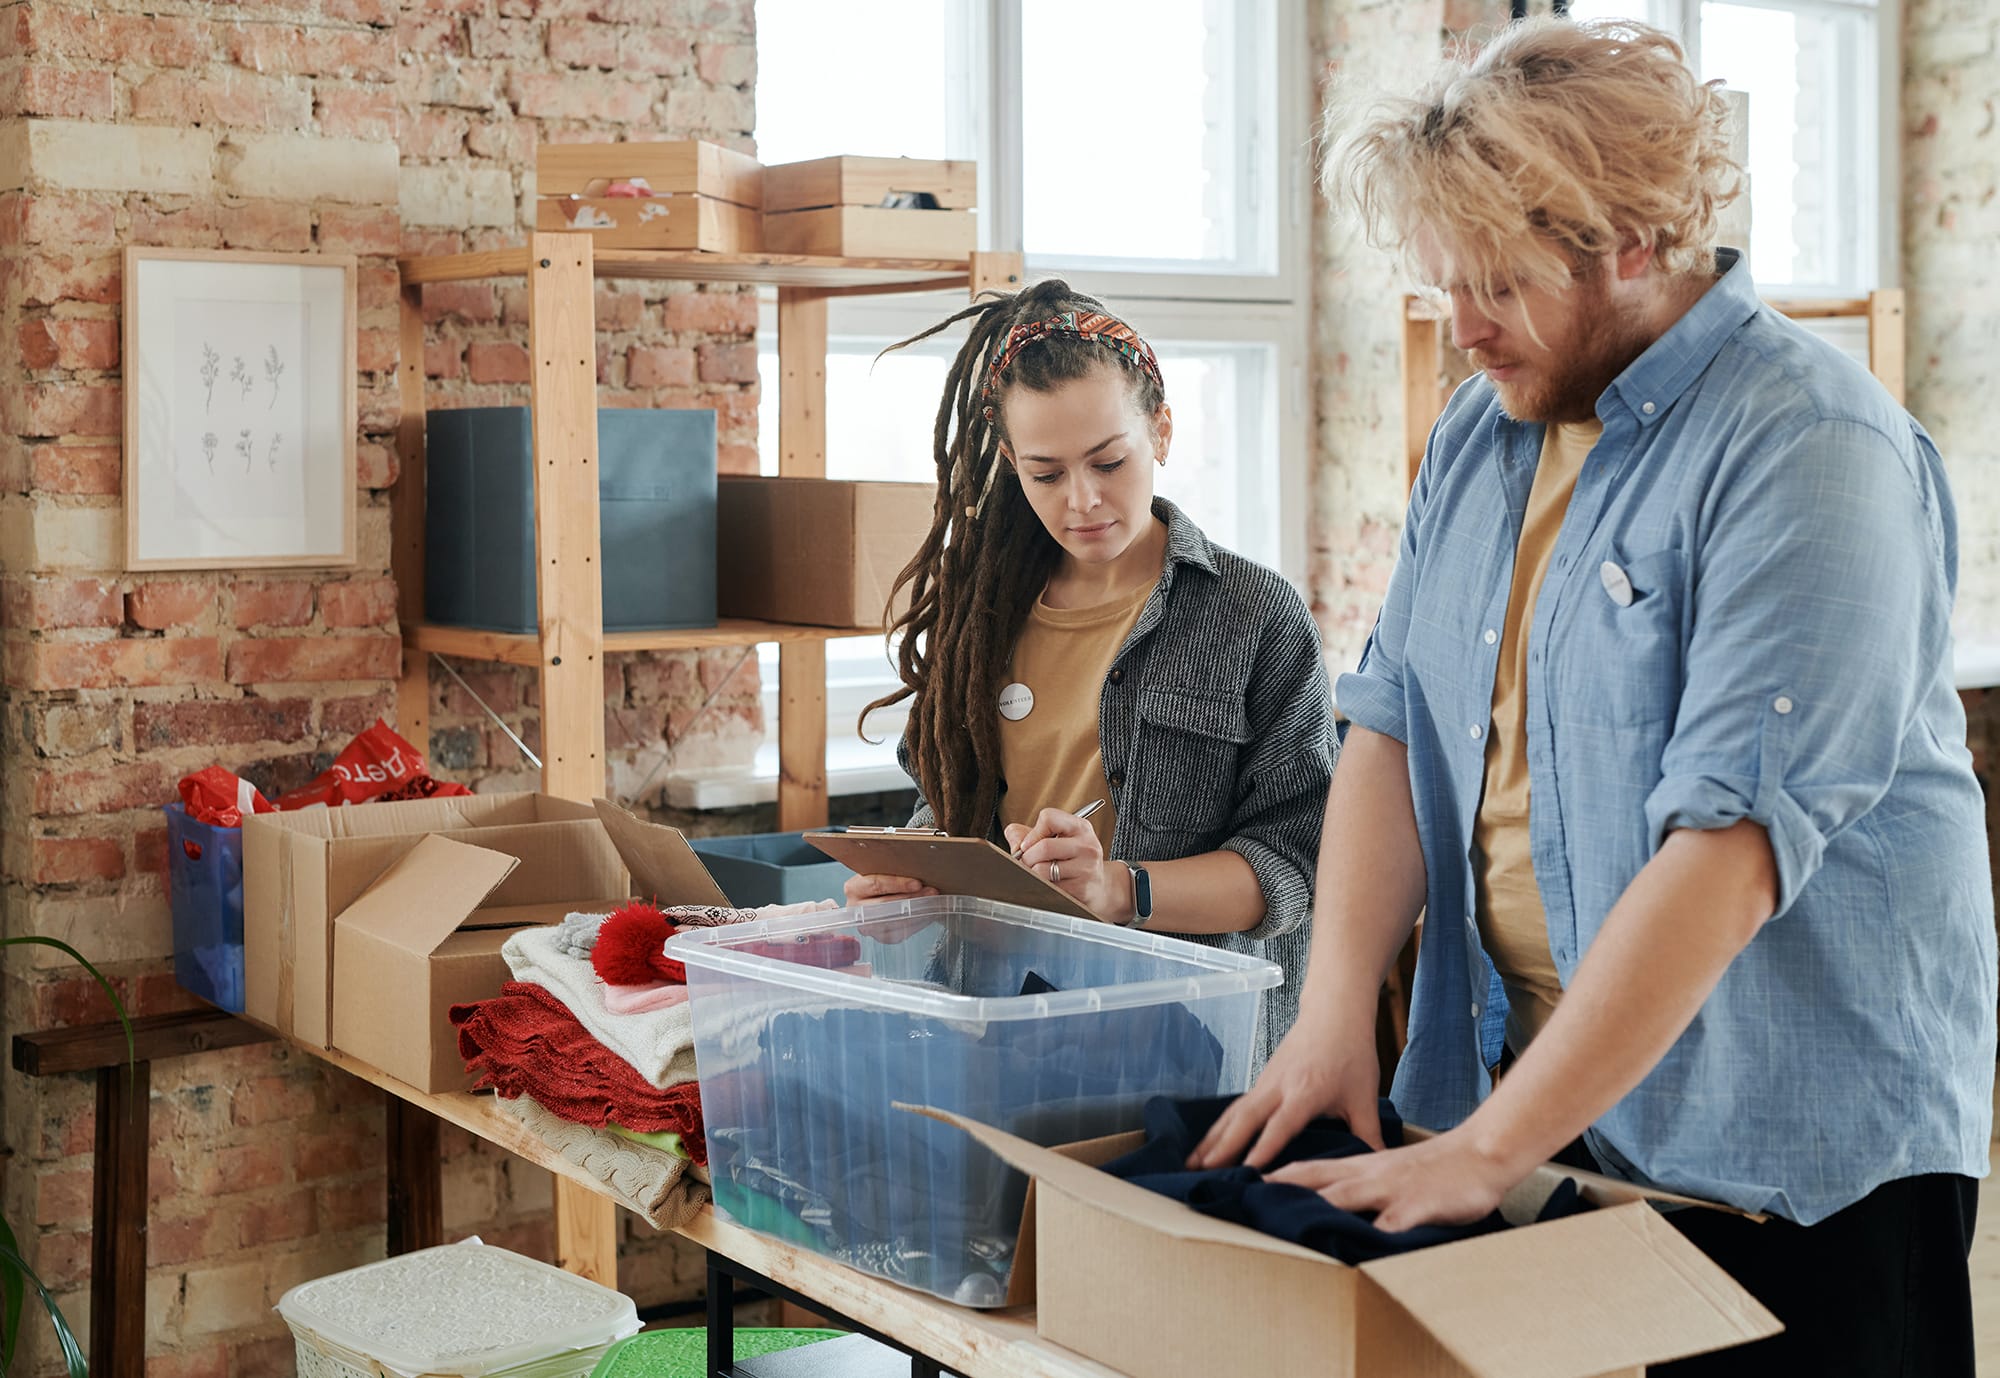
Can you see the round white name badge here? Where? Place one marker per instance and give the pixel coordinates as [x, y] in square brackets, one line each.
[1016, 702]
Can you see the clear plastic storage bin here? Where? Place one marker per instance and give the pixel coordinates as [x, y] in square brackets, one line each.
[456, 1311]
[809, 1029]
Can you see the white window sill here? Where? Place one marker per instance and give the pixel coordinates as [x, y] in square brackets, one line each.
[852, 767]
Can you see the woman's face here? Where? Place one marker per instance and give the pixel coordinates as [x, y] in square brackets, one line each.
[1084, 454]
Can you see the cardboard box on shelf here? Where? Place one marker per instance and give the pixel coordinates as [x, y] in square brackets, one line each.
[364, 926]
[1135, 1281]
[703, 196]
[872, 208]
[823, 552]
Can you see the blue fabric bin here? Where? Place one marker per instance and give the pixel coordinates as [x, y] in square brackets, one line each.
[205, 887]
[770, 868]
[656, 518]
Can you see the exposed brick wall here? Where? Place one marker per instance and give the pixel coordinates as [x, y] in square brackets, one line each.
[1358, 483]
[1951, 63]
[354, 126]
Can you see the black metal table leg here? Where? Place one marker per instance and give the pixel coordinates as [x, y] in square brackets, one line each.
[721, 1318]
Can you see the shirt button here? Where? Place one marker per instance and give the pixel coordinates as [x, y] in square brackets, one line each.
[1478, 731]
[1782, 704]
[1117, 676]
[1491, 636]
[1118, 779]
[1648, 408]
[1475, 1009]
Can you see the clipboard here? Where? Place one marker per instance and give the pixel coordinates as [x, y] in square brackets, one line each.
[968, 866]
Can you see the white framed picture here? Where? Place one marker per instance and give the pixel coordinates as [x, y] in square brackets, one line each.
[239, 409]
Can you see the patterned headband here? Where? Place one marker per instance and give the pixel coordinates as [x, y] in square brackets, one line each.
[1094, 326]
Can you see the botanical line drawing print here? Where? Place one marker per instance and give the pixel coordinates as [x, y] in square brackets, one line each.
[208, 443]
[274, 369]
[211, 364]
[239, 374]
[243, 447]
[271, 459]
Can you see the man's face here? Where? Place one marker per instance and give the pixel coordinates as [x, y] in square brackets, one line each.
[1583, 337]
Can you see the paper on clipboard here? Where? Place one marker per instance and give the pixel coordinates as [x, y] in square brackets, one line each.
[968, 866]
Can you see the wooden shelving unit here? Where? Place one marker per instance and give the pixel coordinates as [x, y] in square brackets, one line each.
[1424, 395]
[571, 642]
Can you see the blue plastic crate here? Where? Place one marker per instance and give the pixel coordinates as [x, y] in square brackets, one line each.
[771, 868]
[205, 888]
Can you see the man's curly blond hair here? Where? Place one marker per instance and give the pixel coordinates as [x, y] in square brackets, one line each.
[1553, 145]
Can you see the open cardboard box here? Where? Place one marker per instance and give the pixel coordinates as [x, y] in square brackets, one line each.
[395, 913]
[1141, 1283]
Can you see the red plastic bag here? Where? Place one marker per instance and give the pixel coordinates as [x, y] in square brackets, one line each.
[218, 798]
[376, 765]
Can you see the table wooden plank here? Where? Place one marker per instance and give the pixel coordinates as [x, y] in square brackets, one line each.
[88, 1047]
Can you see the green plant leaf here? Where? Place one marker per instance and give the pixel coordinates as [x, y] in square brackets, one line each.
[72, 1352]
[117, 1005]
[13, 1287]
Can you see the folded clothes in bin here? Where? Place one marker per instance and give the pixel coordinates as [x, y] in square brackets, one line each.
[1055, 1028]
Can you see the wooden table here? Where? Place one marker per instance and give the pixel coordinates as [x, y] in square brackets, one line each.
[914, 1333]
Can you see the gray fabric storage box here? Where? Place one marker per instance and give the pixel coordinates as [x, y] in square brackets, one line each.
[656, 518]
[770, 868]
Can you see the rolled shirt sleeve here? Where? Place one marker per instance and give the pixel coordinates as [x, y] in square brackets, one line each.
[1819, 615]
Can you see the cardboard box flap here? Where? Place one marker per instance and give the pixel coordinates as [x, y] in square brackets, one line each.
[1605, 1291]
[1052, 1170]
[422, 899]
[664, 868]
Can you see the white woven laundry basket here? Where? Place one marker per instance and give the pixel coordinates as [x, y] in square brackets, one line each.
[458, 1311]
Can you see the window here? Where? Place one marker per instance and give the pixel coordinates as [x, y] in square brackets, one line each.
[1819, 87]
[1133, 151]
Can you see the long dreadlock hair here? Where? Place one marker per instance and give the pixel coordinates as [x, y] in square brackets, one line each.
[987, 556]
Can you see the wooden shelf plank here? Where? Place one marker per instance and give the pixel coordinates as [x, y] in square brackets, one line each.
[783, 270]
[512, 649]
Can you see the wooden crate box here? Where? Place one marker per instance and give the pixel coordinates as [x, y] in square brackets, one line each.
[704, 196]
[853, 208]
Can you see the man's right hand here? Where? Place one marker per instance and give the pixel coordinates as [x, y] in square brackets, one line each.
[862, 889]
[1315, 1071]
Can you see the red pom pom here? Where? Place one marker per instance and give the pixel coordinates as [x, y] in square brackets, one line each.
[628, 951]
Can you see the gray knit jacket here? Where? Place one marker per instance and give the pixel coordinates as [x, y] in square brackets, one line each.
[1216, 723]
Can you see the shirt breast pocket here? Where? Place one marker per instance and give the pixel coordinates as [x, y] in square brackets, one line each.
[1620, 647]
[1188, 745]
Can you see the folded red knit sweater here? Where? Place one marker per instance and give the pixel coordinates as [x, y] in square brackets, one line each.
[525, 1042]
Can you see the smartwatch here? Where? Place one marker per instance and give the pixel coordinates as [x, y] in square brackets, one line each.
[1142, 896]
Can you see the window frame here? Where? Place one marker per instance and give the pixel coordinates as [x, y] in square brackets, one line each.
[1267, 307]
[1870, 250]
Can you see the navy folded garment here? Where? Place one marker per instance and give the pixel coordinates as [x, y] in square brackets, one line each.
[1303, 1217]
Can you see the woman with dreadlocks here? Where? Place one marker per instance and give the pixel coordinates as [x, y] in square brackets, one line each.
[1072, 638]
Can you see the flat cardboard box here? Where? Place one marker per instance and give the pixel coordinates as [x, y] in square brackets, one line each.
[951, 184]
[677, 166]
[679, 221]
[301, 870]
[822, 552]
[428, 933]
[1137, 1281]
[871, 232]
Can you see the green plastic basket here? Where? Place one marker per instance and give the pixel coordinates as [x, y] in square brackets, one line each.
[684, 1353]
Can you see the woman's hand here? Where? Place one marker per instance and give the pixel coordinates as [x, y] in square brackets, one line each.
[863, 889]
[1063, 849]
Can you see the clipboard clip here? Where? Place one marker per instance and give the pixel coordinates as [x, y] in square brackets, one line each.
[857, 829]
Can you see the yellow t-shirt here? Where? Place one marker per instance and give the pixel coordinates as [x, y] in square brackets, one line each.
[1512, 923]
[1051, 758]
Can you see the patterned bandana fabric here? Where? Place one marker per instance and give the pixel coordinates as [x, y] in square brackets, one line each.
[1094, 326]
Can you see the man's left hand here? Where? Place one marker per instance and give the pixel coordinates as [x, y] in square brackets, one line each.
[1441, 1181]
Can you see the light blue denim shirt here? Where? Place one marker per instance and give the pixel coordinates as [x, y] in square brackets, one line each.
[1746, 615]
